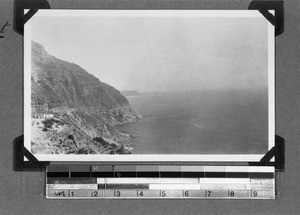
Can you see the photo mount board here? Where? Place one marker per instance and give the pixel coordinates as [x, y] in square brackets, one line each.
[241, 158]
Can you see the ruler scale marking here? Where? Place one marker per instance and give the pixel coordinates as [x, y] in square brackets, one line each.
[121, 181]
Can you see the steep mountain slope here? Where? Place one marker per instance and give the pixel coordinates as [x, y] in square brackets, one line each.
[73, 111]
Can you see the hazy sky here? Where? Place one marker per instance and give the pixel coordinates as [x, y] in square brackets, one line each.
[161, 54]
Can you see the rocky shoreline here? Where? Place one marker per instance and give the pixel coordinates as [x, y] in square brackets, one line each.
[64, 136]
[73, 112]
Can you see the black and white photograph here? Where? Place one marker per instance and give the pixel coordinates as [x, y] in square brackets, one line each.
[150, 107]
[104, 85]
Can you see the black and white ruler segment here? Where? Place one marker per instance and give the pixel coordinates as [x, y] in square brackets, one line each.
[124, 181]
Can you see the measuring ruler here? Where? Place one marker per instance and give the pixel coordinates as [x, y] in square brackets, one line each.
[203, 182]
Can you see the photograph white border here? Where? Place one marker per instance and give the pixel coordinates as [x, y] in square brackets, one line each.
[150, 157]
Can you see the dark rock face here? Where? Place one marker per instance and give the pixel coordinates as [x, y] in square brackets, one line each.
[68, 101]
[62, 84]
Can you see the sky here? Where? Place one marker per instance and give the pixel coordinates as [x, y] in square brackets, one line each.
[161, 53]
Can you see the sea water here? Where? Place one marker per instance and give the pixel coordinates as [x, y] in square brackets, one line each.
[203, 122]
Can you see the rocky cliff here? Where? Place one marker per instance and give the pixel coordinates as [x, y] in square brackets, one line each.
[73, 112]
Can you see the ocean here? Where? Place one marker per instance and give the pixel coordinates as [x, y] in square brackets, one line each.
[204, 122]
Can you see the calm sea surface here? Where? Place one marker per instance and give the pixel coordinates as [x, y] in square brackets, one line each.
[234, 122]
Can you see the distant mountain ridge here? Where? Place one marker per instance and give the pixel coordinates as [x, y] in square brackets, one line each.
[78, 104]
[130, 93]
